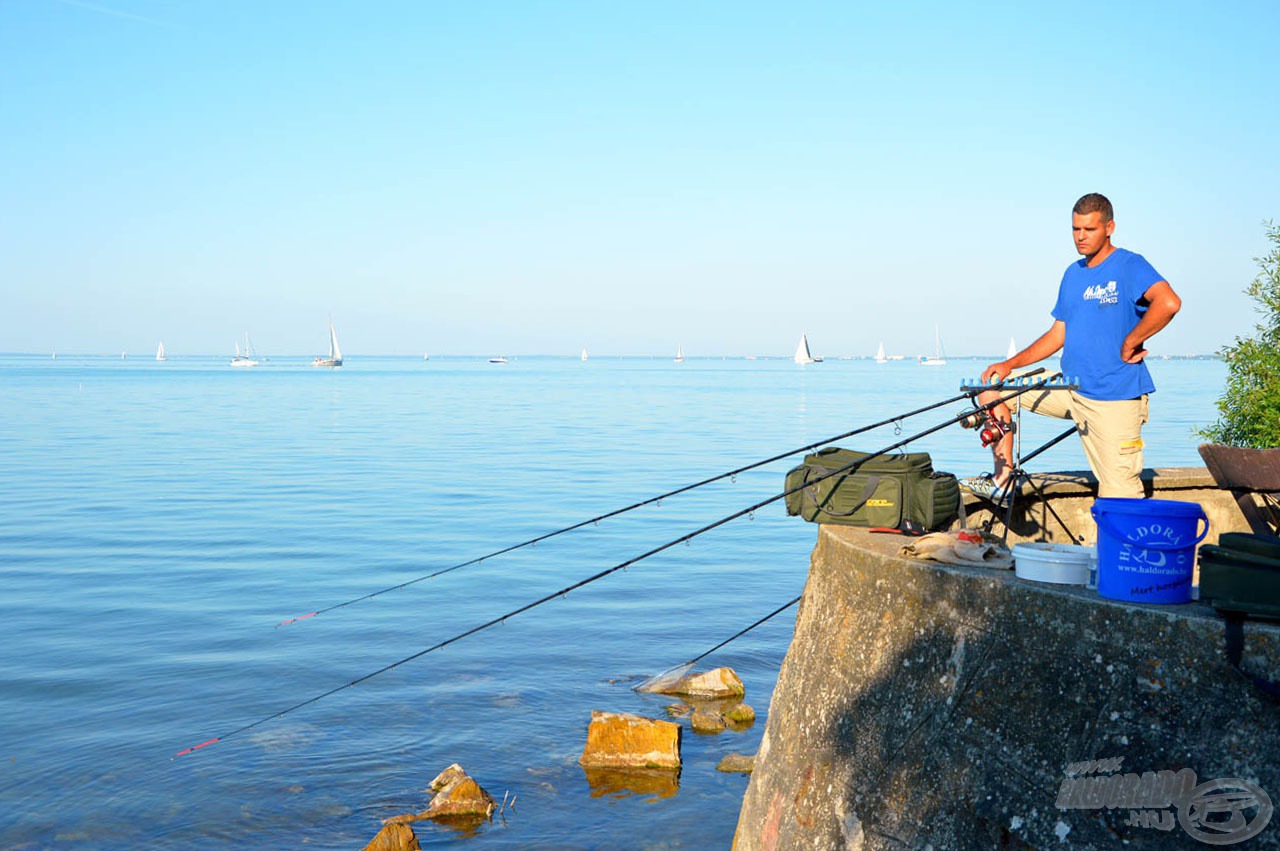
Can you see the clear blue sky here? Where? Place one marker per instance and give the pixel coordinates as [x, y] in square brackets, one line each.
[535, 177]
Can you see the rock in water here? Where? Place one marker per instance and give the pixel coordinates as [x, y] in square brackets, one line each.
[621, 740]
[741, 715]
[394, 837]
[452, 774]
[457, 795]
[707, 721]
[719, 682]
[737, 763]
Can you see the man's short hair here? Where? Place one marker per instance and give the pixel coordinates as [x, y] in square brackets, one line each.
[1094, 203]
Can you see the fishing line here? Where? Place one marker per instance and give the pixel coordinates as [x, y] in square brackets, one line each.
[658, 682]
[606, 572]
[896, 421]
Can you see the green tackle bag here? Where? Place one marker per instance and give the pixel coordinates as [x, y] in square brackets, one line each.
[1242, 574]
[883, 491]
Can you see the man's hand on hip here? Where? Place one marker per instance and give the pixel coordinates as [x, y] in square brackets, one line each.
[1131, 350]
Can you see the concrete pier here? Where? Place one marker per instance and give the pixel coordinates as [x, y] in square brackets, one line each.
[929, 706]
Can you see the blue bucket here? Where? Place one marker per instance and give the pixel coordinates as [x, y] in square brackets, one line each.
[1147, 548]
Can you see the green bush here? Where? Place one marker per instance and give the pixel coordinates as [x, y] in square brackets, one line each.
[1250, 404]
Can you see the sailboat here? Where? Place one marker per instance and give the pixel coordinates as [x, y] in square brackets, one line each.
[160, 352]
[246, 358]
[1013, 349]
[335, 353]
[938, 359]
[584, 354]
[679, 354]
[802, 351]
[880, 358]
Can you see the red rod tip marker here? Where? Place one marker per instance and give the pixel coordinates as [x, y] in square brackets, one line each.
[295, 620]
[196, 748]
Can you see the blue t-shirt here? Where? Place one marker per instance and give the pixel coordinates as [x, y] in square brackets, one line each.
[1100, 307]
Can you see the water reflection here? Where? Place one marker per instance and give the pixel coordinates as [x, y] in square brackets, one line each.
[617, 783]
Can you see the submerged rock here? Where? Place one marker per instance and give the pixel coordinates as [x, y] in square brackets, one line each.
[707, 721]
[678, 710]
[737, 763]
[718, 682]
[621, 740]
[394, 837]
[457, 797]
[741, 715]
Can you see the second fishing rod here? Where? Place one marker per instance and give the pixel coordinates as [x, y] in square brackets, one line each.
[562, 592]
[967, 394]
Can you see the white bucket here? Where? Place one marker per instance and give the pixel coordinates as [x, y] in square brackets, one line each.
[1061, 564]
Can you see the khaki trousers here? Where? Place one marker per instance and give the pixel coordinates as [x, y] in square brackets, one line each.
[1111, 432]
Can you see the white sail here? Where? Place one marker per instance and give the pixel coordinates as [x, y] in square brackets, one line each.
[802, 351]
[1013, 349]
[245, 358]
[938, 358]
[584, 354]
[679, 354]
[335, 353]
[880, 358]
[160, 352]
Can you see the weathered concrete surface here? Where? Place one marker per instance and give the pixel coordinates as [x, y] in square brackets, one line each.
[1071, 494]
[923, 705]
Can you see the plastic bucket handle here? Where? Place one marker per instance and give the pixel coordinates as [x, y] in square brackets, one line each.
[1105, 524]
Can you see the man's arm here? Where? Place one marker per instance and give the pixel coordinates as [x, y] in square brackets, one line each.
[1049, 343]
[1162, 303]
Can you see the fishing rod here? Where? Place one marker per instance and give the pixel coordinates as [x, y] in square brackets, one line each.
[563, 592]
[659, 682]
[967, 394]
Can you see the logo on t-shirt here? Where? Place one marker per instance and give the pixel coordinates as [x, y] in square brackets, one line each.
[1103, 293]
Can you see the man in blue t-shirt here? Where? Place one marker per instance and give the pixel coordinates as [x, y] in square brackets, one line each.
[1109, 304]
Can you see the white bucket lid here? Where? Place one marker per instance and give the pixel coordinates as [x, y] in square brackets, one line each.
[1062, 564]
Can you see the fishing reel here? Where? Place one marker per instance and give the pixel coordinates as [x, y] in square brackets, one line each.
[990, 429]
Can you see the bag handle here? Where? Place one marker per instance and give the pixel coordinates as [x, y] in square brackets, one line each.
[1105, 524]
[872, 483]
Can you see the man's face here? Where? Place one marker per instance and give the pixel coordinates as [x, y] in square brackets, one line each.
[1090, 232]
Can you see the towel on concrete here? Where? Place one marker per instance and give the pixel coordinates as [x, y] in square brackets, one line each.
[965, 547]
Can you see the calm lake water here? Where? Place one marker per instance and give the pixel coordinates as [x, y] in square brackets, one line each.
[158, 519]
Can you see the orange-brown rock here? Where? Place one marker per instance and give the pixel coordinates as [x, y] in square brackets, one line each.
[620, 740]
[458, 795]
[452, 774]
[394, 837]
[718, 682]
